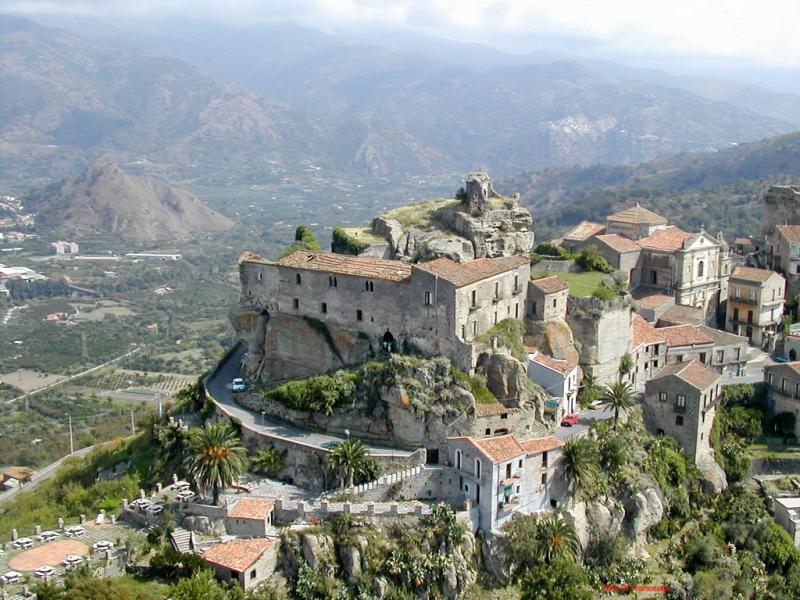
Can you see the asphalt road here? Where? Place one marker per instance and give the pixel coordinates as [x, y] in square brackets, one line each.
[219, 386]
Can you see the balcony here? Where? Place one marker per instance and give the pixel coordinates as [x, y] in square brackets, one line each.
[474, 307]
[742, 321]
[497, 298]
[680, 409]
[745, 300]
[517, 290]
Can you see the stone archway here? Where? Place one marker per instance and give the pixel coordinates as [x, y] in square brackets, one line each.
[388, 342]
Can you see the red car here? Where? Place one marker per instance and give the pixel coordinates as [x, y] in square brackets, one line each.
[570, 420]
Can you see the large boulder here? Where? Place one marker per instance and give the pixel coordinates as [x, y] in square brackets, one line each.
[496, 555]
[643, 510]
[506, 377]
[317, 551]
[446, 246]
[714, 479]
[350, 558]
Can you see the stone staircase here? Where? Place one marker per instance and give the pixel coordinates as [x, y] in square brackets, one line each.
[383, 480]
[182, 539]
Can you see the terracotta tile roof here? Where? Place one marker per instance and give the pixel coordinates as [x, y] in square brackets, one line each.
[794, 367]
[751, 274]
[653, 301]
[340, 264]
[722, 338]
[636, 215]
[554, 364]
[742, 241]
[584, 230]
[497, 449]
[252, 508]
[684, 335]
[644, 333]
[461, 274]
[237, 555]
[693, 372]
[665, 240]
[551, 284]
[790, 232]
[18, 473]
[492, 410]
[544, 444]
[681, 315]
[618, 243]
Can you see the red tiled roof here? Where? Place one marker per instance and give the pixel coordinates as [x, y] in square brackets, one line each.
[618, 243]
[539, 445]
[644, 333]
[497, 449]
[461, 274]
[653, 301]
[491, 410]
[752, 274]
[790, 232]
[665, 240]
[237, 555]
[684, 335]
[551, 284]
[693, 372]
[638, 214]
[252, 508]
[18, 473]
[584, 230]
[339, 264]
[554, 364]
[682, 315]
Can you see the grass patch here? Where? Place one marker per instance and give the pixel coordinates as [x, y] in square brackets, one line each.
[509, 334]
[475, 384]
[363, 234]
[582, 284]
[421, 214]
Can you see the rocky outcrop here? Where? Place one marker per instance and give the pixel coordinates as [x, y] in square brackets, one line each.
[496, 554]
[507, 378]
[595, 520]
[317, 551]
[643, 510]
[554, 338]
[714, 479]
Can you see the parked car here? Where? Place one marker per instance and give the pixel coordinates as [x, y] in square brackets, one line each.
[238, 385]
[11, 577]
[570, 420]
[47, 536]
[185, 495]
[103, 545]
[22, 543]
[44, 572]
[72, 560]
[74, 531]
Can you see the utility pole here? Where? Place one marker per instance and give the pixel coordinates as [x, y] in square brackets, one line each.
[71, 441]
[133, 426]
[158, 397]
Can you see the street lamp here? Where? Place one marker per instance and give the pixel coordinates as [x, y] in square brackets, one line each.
[262, 417]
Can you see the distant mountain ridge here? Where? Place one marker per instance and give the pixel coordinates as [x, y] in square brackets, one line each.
[106, 199]
[360, 110]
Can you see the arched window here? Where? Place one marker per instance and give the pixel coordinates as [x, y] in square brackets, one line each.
[477, 468]
[297, 278]
[458, 459]
[700, 267]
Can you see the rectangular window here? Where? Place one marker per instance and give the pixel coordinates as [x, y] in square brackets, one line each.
[253, 574]
[680, 401]
[474, 328]
[296, 303]
[474, 298]
[516, 283]
[495, 317]
[679, 358]
[738, 293]
[359, 315]
[770, 378]
[533, 308]
[751, 295]
[655, 350]
[332, 281]
[797, 390]
[653, 277]
[516, 310]
[496, 289]
[544, 478]
[544, 460]
[662, 396]
[463, 332]
[703, 357]
[720, 356]
[784, 385]
[738, 353]
[519, 464]
[369, 286]
[679, 420]
[428, 298]
[324, 308]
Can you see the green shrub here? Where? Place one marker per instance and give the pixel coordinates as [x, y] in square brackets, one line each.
[550, 249]
[320, 393]
[306, 237]
[603, 292]
[509, 334]
[460, 195]
[590, 259]
[343, 243]
[475, 384]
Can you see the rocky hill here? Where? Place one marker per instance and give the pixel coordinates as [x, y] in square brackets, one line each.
[106, 199]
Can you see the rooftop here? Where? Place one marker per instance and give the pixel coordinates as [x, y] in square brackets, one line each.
[491, 410]
[466, 273]
[693, 372]
[645, 333]
[669, 239]
[653, 301]
[497, 449]
[551, 284]
[638, 215]
[618, 243]
[252, 508]
[539, 445]
[680, 315]
[684, 335]
[752, 274]
[722, 337]
[554, 364]
[340, 264]
[792, 366]
[584, 230]
[237, 555]
[790, 232]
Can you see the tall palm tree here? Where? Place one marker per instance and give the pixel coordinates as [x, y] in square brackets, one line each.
[556, 539]
[580, 465]
[215, 458]
[619, 396]
[350, 458]
[589, 391]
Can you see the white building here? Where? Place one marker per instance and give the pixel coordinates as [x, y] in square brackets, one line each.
[557, 377]
[787, 515]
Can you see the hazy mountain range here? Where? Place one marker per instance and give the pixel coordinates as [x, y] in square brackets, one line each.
[300, 98]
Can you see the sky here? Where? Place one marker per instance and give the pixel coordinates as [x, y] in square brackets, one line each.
[757, 32]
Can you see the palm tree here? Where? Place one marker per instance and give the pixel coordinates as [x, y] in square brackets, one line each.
[619, 395]
[625, 365]
[268, 461]
[580, 465]
[556, 539]
[589, 391]
[351, 458]
[215, 458]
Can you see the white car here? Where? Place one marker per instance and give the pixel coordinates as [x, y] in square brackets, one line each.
[22, 543]
[238, 385]
[72, 560]
[11, 577]
[44, 572]
[103, 545]
[47, 536]
[185, 495]
[74, 531]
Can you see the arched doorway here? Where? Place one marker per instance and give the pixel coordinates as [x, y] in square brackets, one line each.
[387, 342]
[793, 355]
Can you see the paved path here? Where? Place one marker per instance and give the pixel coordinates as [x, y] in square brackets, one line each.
[76, 376]
[219, 386]
[586, 419]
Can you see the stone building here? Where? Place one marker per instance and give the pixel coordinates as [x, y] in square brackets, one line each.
[652, 305]
[622, 253]
[755, 304]
[648, 349]
[781, 207]
[729, 355]
[680, 401]
[250, 517]
[635, 223]
[783, 390]
[479, 191]
[686, 343]
[310, 312]
[786, 256]
[787, 515]
[582, 232]
[248, 562]
[547, 298]
[558, 378]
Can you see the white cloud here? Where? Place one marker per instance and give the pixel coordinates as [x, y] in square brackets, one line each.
[764, 31]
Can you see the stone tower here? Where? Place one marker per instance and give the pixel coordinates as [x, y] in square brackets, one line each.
[479, 190]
